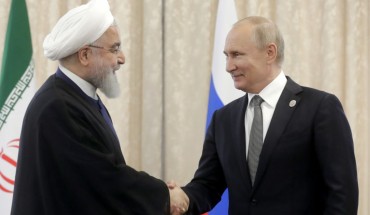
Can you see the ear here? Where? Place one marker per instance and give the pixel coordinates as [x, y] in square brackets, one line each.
[271, 53]
[83, 55]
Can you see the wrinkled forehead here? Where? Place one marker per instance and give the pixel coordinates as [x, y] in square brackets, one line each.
[240, 33]
[239, 38]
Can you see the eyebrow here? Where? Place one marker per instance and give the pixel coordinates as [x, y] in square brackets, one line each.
[231, 52]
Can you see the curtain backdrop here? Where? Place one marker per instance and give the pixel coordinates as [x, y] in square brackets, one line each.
[160, 116]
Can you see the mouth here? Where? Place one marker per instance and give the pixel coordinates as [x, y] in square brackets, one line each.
[235, 76]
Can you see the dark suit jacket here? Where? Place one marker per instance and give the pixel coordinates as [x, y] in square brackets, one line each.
[70, 161]
[307, 163]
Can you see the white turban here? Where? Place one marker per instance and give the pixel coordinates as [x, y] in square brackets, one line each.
[80, 26]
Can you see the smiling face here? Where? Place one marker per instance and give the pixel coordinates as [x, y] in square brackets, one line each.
[107, 60]
[251, 68]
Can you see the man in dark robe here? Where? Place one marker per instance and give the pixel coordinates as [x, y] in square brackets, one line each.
[70, 161]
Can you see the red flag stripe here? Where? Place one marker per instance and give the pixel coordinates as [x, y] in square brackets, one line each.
[10, 181]
[5, 190]
[9, 160]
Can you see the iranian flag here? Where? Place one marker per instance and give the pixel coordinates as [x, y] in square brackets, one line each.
[16, 91]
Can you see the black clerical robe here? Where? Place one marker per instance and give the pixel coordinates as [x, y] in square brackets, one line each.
[70, 162]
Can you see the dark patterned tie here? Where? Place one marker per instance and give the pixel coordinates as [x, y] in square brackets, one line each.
[255, 137]
[105, 114]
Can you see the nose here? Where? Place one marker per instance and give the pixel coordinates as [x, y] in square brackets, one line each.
[121, 58]
[230, 66]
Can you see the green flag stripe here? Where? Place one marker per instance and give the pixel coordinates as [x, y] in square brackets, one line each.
[17, 49]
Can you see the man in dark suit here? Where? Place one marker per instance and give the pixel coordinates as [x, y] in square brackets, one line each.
[292, 154]
[70, 161]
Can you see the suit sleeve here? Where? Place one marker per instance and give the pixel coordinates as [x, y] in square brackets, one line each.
[208, 184]
[335, 151]
[78, 166]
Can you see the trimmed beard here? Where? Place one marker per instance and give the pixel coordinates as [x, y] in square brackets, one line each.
[105, 79]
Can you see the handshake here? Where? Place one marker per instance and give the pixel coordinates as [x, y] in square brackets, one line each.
[179, 199]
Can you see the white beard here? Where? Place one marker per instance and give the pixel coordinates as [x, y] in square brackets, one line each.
[110, 86]
[105, 80]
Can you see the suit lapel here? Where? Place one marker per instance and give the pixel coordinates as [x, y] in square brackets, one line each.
[239, 139]
[282, 114]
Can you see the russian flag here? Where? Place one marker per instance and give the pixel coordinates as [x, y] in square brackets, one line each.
[222, 90]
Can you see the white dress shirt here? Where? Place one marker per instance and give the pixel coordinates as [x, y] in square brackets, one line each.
[270, 95]
[85, 86]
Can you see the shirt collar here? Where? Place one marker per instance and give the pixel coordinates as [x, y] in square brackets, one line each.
[271, 93]
[85, 86]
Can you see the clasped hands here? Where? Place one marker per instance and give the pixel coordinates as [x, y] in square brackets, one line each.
[179, 199]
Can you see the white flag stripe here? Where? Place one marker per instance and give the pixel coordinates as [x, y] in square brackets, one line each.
[8, 161]
[224, 85]
[222, 81]
[9, 142]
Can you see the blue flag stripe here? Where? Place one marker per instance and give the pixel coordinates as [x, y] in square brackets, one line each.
[214, 102]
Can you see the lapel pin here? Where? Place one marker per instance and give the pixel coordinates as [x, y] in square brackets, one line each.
[292, 103]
